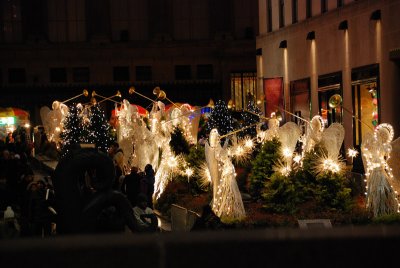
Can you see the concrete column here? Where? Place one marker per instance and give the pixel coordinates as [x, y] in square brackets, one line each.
[347, 94]
[286, 85]
[314, 79]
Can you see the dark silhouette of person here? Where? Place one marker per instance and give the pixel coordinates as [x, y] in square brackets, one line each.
[131, 185]
[149, 180]
[40, 216]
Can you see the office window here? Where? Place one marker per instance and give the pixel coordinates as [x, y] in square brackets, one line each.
[339, 3]
[205, 71]
[281, 13]
[81, 75]
[294, 11]
[308, 8]
[58, 75]
[324, 6]
[143, 73]
[35, 22]
[121, 73]
[269, 14]
[97, 18]
[183, 72]
[10, 21]
[16, 75]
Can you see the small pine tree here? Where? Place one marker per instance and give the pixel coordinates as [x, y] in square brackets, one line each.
[178, 143]
[195, 159]
[263, 166]
[73, 126]
[202, 131]
[326, 190]
[99, 132]
[250, 117]
[221, 119]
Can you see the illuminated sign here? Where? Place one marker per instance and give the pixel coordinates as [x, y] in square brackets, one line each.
[10, 120]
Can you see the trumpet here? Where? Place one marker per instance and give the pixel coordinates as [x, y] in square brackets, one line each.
[84, 93]
[161, 95]
[239, 130]
[94, 94]
[336, 100]
[132, 90]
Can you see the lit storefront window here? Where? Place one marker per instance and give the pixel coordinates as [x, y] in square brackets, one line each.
[243, 85]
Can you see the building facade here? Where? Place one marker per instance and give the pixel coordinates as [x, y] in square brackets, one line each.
[194, 50]
[338, 59]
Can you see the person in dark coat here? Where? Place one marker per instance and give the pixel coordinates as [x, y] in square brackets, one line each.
[40, 216]
[150, 180]
[131, 185]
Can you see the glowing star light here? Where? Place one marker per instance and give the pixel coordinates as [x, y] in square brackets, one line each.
[351, 152]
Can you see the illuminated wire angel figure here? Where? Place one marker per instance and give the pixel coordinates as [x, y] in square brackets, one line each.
[376, 148]
[313, 133]
[53, 120]
[288, 136]
[331, 159]
[126, 115]
[227, 201]
[271, 132]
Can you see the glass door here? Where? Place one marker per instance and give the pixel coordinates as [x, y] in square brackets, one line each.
[366, 108]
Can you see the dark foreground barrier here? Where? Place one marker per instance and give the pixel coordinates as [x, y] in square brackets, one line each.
[335, 247]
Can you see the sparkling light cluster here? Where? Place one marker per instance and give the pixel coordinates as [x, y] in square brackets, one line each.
[351, 152]
[241, 150]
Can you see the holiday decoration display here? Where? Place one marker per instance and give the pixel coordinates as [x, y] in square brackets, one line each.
[376, 149]
[227, 201]
[282, 174]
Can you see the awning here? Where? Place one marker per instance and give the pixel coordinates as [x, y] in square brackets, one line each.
[16, 112]
[142, 111]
